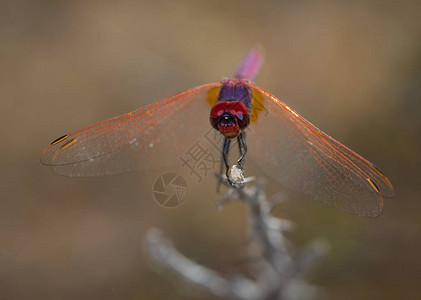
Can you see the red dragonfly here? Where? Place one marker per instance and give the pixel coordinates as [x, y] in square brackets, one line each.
[286, 146]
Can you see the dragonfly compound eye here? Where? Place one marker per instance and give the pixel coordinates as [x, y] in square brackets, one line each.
[229, 117]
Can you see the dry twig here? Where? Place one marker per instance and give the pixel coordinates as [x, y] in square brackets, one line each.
[278, 275]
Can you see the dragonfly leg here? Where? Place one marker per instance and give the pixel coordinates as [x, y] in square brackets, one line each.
[242, 147]
[225, 150]
[221, 166]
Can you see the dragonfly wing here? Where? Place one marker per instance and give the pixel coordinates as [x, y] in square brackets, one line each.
[294, 152]
[152, 137]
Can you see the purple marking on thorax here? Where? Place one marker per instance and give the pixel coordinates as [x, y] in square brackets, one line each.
[235, 90]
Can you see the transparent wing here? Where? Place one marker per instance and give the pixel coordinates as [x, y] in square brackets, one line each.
[300, 156]
[152, 137]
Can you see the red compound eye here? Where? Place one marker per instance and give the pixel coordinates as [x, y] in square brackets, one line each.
[235, 108]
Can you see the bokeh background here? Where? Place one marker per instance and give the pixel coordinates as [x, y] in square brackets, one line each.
[353, 68]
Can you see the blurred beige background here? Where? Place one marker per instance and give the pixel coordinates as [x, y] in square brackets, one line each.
[353, 68]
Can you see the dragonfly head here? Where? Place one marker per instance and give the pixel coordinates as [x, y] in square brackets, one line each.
[227, 125]
[229, 118]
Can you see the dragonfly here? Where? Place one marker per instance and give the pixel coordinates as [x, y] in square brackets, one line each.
[285, 146]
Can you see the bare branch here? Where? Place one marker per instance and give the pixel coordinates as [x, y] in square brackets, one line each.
[277, 274]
